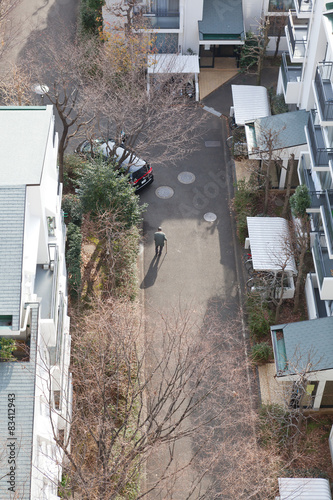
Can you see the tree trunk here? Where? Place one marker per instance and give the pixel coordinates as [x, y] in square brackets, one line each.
[305, 243]
[299, 278]
[61, 152]
[291, 168]
[267, 183]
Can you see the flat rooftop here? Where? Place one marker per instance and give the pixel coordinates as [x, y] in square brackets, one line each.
[24, 131]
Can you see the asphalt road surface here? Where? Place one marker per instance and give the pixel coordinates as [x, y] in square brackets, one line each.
[198, 272]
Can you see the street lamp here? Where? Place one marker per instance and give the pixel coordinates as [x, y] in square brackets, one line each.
[41, 90]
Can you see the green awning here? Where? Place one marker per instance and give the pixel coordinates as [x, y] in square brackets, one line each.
[222, 20]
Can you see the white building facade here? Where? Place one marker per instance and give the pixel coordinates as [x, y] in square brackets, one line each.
[306, 79]
[209, 28]
[35, 385]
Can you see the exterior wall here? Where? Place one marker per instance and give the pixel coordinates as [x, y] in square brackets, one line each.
[45, 395]
[322, 377]
[192, 14]
[315, 53]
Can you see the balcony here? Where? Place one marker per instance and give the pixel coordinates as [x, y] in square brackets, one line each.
[46, 284]
[161, 19]
[320, 154]
[291, 80]
[303, 8]
[324, 267]
[305, 173]
[324, 91]
[297, 37]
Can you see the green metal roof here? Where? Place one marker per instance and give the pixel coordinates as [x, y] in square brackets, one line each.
[304, 345]
[288, 127]
[222, 20]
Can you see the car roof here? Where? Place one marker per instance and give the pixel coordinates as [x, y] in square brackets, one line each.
[136, 162]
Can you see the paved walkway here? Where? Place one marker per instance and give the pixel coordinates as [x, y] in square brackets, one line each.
[212, 78]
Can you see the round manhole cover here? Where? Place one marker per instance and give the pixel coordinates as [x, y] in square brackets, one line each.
[164, 192]
[210, 217]
[186, 177]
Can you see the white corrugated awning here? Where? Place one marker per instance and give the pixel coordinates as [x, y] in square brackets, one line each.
[250, 102]
[268, 237]
[304, 489]
[173, 63]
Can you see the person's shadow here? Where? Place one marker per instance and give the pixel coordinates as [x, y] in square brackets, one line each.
[151, 275]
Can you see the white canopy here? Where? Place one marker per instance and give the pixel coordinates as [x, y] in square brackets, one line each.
[250, 102]
[268, 237]
[173, 63]
[304, 489]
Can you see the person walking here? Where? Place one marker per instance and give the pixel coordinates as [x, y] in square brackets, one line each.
[160, 238]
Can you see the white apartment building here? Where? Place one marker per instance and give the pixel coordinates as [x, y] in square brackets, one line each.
[35, 387]
[211, 29]
[306, 79]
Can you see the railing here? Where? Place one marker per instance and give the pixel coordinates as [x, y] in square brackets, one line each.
[304, 5]
[327, 207]
[305, 175]
[284, 71]
[293, 38]
[324, 73]
[318, 257]
[287, 71]
[321, 155]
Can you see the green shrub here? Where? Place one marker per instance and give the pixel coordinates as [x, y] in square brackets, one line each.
[300, 201]
[278, 104]
[244, 204]
[73, 259]
[7, 346]
[261, 353]
[73, 167]
[259, 317]
[102, 189]
[91, 16]
[71, 205]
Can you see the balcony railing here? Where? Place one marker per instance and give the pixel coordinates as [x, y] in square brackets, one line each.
[326, 212]
[290, 74]
[303, 6]
[320, 153]
[324, 90]
[297, 37]
[304, 174]
[319, 260]
[160, 18]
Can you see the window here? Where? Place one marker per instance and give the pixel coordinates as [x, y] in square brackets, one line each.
[280, 5]
[56, 399]
[166, 43]
[51, 224]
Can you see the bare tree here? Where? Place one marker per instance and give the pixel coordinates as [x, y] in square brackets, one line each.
[162, 123]
[7, 31]
[254, 51]
[15, 87]
[291, 169]
[269, 150]
[131, 399]
[300, 231]
[61, 73]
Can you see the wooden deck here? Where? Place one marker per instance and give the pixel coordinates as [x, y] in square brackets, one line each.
[212, 78]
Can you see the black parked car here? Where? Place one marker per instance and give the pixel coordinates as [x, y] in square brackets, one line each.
[140, 172]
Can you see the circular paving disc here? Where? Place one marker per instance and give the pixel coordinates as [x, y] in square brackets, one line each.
[164, 192]
[210, 217]
[186, 177]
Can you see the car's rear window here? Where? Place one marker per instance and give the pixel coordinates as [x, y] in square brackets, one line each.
[139, 173]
